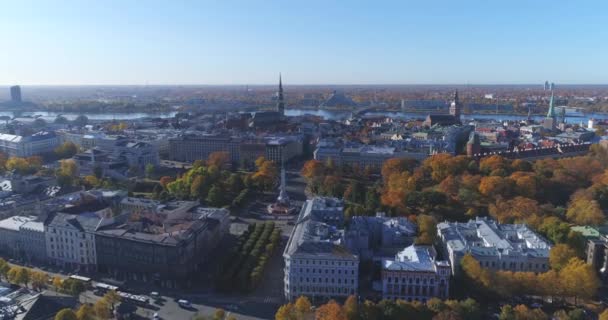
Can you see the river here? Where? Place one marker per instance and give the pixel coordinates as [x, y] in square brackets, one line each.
[93, 116]
[325, 114]
[341, 115]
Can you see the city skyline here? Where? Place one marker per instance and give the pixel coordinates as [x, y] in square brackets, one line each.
[312, 43]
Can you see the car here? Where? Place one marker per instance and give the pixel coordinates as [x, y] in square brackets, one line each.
[184, 303]
[155, 316]
[154, 295]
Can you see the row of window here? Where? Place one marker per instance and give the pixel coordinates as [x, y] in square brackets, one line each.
[327, 280]
[333, 263]
[513, 265]
[327, 271]
[411, 280]
[321, 290]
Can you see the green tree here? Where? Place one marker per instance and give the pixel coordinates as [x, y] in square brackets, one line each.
[149, 170]
[67, 150]
[351, 308]
[215, 197]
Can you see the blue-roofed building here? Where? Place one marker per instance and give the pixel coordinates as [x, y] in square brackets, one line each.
[415, 275]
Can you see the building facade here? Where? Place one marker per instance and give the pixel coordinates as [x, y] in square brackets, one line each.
[27, 146]
[510, 247]
[415, 275]
[317, 265]
[166, 255]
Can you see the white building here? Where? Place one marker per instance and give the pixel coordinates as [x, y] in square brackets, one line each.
[317, 265]
[23, 238]
[415, 275]
[512, 247]
[27, 146]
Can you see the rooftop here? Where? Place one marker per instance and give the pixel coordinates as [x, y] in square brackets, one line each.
[483, 236]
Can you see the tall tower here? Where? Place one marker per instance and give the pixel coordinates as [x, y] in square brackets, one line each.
[281, 101]
[455, 107]
[550, 121]
[16, 94]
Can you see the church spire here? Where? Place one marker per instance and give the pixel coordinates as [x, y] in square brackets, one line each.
[280, 101]
[455, 107]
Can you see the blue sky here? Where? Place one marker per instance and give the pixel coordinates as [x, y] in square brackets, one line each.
[310, 42]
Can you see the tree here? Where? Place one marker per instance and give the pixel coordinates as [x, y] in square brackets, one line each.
[560, 255]
[39, 280]
[81, 121]
[68, 170]
[102, 309]
[507, 313]
[285, 312]
[330, 311]
[584, 211]
[67, 150]
[149, 170]
[427, 230]
[492, 163]
[18, 164]
[579, 279]
[66, 314]
[397, 165]
[57, 283]
[302, 306]
[220, 159]
[165, 180]
[351, 308]
[215, 197]
[368, 311]
[219, 314]
[493, 186]
[4, 268]
[22, 276]
[372, 200]
[85, 312]
[91, 181]
[447, 315]
[235, 183]
[312, 169]
[112, 298]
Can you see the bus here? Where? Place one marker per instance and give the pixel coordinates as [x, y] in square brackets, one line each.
[86, 281]
[104, 287]
[133, 298]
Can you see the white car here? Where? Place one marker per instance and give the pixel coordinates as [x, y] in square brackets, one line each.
[184, 303]
[155, 316]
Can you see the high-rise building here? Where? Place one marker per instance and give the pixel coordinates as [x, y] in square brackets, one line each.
[455, 107]
[16, 94]
[281, 101]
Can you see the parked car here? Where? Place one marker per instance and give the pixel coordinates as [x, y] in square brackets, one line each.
[184, 303]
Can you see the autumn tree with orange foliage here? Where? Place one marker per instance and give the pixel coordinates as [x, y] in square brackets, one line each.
[494, 186]
[330, 311]
[313, 169]
[220, 159]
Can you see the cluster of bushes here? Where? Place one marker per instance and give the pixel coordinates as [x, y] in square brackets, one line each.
[245, 265]
[240, 199]
[435, 308]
